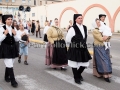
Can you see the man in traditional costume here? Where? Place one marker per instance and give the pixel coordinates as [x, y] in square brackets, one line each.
[8, 48]
[78, 55]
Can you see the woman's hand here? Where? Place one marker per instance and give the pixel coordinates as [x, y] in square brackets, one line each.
[105, 38]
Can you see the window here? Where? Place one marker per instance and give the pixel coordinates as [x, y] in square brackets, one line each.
[33, 14]
[7, 0]
[13, 0]
[0, 1]
[34, 2]
[23, 1]
[40, 2]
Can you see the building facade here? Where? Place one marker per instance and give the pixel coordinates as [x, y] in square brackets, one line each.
[12, 6]
[89, 8]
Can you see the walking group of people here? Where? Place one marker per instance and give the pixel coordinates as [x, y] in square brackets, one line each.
[14, 41]
[77, 56]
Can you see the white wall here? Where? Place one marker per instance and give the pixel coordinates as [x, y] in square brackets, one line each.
[54, 11]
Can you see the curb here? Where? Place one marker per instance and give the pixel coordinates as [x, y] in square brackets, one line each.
[42, 42]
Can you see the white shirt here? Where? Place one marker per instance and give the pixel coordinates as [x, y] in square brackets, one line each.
[106, 31]
[45, 29]
[3, 36]
[71, 33]
[19, 33]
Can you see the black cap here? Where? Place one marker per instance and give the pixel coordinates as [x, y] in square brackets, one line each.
[100, 15]
[5, 17]
[75, 17]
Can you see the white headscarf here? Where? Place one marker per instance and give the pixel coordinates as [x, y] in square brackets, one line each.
[94, 25]
[52, 23]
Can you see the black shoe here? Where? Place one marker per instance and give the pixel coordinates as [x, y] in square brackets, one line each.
[81, 78]
[25, 62]
[107, 80]
[54, 68]
[12, 77]
[19, 61]
[78, 81]
[63, 68]
[14, 84]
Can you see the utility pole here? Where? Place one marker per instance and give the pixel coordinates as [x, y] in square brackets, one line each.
[46, 9]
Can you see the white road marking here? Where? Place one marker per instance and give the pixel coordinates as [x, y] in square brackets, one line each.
[116, 67]
[67, 78]
[29, 83]
[114, 78]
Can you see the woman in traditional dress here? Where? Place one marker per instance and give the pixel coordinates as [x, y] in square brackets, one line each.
[56, 59]
[45, 31]
[101, 58]
[78, 55]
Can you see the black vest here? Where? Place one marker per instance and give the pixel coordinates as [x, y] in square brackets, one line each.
[9, 40]
[77, 40]
[78, 32]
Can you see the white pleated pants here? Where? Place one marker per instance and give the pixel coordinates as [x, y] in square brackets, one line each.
[9, 62]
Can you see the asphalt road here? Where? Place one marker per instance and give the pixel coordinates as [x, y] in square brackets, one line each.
[38, 76]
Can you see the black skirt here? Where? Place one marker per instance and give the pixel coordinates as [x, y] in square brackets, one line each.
[59, 53]
[45, 38]
[8, 51]
[32, 30]
[79, 55]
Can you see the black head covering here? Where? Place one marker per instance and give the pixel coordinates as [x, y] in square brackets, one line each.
[5, 17]
[100, 15]
[75, 17]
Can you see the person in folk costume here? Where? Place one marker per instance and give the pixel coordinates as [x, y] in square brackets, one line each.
[8, 50]
[56, 56]
[101, 59]
[45, 32]
[102, 21]
[78, 55]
